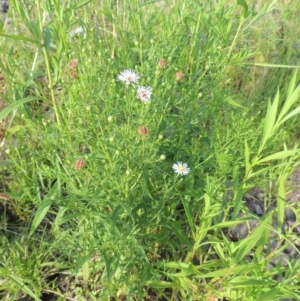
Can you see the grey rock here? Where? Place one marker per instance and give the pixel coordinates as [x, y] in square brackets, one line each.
[282, 259]
[4, 6]
[289, 214]
[242, 230]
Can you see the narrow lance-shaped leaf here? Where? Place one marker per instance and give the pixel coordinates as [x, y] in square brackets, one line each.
[19, 38]
[290, 115]
[247, 244]
[280, 201]
[273, 65]
[270, 120]
[23, 287]
[233, 102]
[15, 105]
[279, 155]
[39, 215]
[247, 157]
[47, 39]
[292, 96]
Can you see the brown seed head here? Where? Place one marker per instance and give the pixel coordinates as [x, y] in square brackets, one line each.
[73, 74]
[179, 75]
[143, 131]
[79, 164]
[73, 64]
[162, 64]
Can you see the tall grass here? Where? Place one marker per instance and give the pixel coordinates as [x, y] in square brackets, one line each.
[93, 201]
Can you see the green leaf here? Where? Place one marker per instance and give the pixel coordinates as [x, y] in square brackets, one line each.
[292, 85]
[237, 202]
[289, 102]
[187, 212]
[274, 65]
[18, 38]
[290, 115]
[39, 215]
[232, 270]
[4, 163]
[47, 39]
[244, 5]
[232, 102]
[24, 287]
[281, 201]
[270, 295]
[279, 156]
[246, 245]
[179, 233]
[16, 104]
[247, 158]
[77, 5]
[270, 119]
[160, 284]
[240, 281]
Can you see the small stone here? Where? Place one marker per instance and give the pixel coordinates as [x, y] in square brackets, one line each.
[281, 259]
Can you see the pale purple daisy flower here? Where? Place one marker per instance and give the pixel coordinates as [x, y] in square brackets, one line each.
[128, 76]
[181, 168]
[144, 94]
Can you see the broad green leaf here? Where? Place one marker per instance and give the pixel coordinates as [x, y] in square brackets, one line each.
[39, 215]
[16, 104]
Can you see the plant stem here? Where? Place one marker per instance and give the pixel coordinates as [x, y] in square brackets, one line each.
[50, 85]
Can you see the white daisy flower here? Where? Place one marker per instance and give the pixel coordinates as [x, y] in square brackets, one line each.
[144, 94]
[76, 31]
[128, 76]
[181, 168]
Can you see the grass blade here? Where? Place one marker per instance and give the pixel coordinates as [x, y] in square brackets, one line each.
[39, 216]
[15, 105]
[24, 287]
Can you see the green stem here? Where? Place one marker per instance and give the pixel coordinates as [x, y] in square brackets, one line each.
[235, 38]
[50, 86]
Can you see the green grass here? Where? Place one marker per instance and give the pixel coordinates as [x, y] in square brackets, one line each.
[90, 201]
